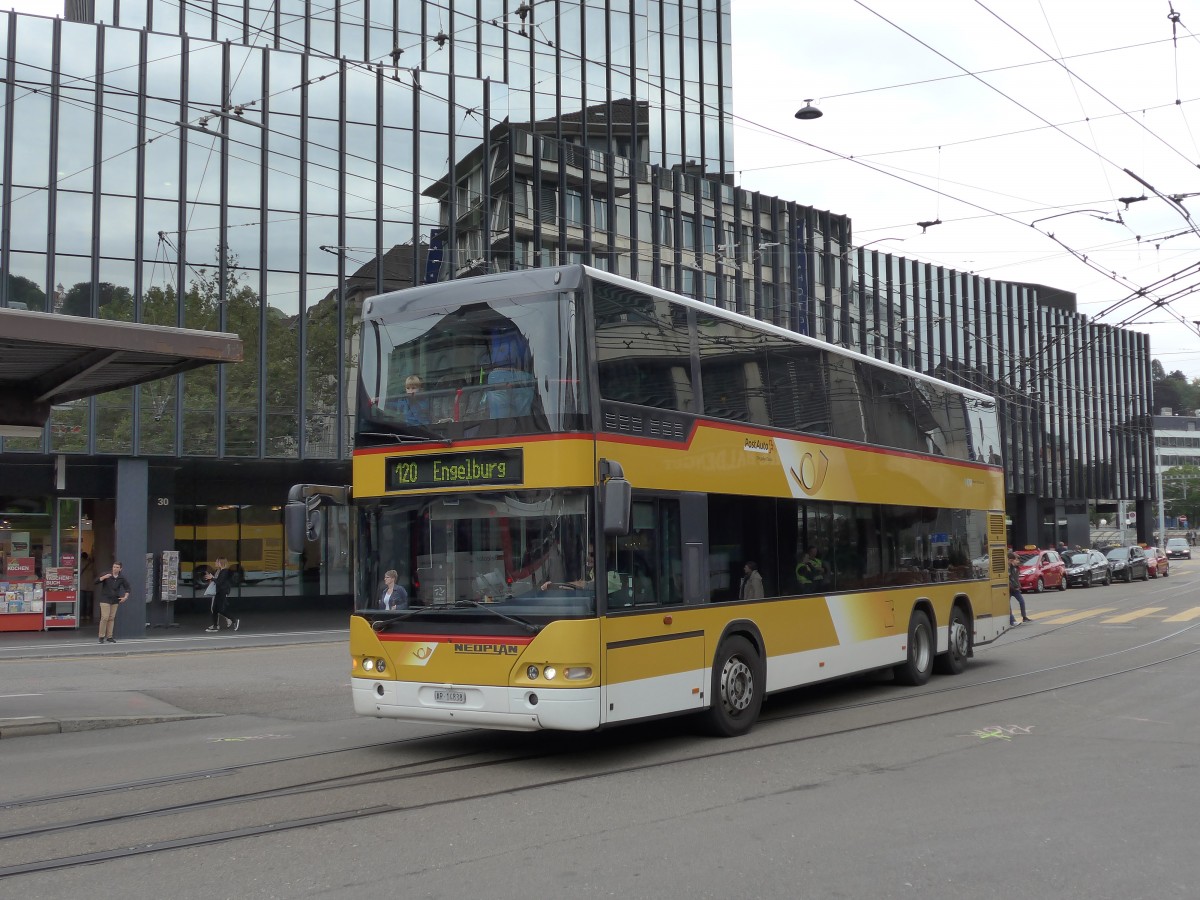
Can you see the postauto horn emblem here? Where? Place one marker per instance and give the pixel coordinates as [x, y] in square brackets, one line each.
[812, 472]
[420, 653]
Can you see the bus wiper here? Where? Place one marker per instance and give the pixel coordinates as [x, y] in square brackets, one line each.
[386, 624]
[419, 435]
[519, 622]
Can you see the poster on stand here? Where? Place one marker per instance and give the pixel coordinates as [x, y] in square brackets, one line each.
[169, 584]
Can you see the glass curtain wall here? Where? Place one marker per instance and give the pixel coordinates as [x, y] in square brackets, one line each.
[328, 154]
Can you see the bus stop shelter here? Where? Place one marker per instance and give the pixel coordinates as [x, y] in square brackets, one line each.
[47, 359]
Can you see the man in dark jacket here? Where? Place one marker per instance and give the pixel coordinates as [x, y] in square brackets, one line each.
[114, 590]
[1014, 587]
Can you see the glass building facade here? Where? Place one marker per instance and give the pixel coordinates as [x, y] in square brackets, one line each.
[262, 166]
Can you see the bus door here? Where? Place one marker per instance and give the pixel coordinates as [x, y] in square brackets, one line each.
[435, 570]
[465, 558]
[654, 649]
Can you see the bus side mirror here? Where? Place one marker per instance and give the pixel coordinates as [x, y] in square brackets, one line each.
[302, 524]
[616, 498]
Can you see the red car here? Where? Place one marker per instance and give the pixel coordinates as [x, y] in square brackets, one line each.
[1157, 562]
[1041, 569]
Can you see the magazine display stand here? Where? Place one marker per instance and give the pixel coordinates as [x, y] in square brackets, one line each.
[22, 596]
[62, 598]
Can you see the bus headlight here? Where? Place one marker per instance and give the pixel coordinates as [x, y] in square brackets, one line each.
[532, 673]
[549, 672]
[578, 673]
[380, 665]
[368, 665]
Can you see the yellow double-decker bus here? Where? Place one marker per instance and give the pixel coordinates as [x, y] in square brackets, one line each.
[603, 503]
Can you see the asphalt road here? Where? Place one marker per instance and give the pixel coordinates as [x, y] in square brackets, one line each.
[1062, 764]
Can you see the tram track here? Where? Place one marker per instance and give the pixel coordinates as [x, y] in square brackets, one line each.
[354, 795]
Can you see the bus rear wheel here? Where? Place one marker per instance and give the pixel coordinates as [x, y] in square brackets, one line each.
[958, 645]
[917, 668]
[738, 682]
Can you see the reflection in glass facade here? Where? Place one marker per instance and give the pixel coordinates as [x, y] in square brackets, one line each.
[262, 166]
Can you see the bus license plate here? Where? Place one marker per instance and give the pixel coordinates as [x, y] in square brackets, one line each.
[441, 696]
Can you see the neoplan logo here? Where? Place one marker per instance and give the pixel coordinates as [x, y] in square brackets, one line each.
[488, 649]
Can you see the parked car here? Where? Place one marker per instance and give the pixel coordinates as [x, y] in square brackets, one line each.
[1087, 567]
[1128, 563]
[1179, 548]
[1157, 562]
[1041, 569]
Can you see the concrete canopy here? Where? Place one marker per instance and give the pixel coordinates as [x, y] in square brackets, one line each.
[47, 359]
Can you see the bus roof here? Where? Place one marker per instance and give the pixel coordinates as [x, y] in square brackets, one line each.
[521, 282]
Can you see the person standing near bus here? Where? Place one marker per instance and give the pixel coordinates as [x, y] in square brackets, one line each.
[221, 580]
[114, 590]
[752, 583]
[1014, 587]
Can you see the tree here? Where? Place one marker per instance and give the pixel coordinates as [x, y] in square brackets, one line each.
[1172, 390]
[22, 290]
[1181, 492]
[116, 301]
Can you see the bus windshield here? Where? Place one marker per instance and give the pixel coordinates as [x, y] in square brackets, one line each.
[527, 552]
[508, 366]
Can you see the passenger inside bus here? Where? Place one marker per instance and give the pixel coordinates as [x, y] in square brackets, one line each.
[510, 378]
[414, 405]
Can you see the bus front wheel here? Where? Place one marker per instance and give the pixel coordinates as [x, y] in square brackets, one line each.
[738, 681]
[958, 645]
[917, 668]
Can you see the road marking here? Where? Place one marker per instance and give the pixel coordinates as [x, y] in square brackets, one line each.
[1186, 616]
[1003, 732]
[249, 737]
[10, 696]
[1136, 614]
[1045, 613]
[1080, 616]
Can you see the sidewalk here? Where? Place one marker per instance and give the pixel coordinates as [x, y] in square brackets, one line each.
[23, 714]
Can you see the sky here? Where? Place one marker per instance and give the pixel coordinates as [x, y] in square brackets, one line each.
[908, 136]
[994, 117]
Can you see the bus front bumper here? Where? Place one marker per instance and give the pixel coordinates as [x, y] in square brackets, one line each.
[512, 709]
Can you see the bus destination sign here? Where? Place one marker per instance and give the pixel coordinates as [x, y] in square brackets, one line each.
[406, 473]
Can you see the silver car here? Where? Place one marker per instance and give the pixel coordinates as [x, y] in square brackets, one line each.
[1178, 548]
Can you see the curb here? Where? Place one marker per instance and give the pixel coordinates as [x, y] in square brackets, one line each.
[32, 727]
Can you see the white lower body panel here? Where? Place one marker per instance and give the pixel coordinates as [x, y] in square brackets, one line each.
[809, 666]
[513, 709]
[662, 695]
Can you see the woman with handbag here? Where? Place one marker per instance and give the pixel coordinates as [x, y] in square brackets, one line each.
[220, 580]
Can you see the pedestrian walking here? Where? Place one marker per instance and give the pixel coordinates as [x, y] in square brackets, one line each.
[1014, 588]
[220, 580]
[114, 590]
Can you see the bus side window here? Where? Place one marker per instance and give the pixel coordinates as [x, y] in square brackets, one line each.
[645, 567]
